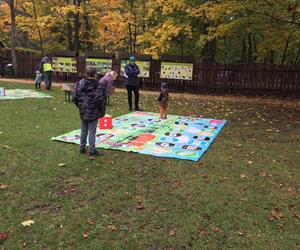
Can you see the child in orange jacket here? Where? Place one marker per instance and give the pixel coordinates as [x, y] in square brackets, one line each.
[163, 100]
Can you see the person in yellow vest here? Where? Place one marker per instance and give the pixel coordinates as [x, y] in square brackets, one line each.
[46, 68]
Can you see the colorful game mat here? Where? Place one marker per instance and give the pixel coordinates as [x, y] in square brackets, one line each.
[11, 94]
[142, 132]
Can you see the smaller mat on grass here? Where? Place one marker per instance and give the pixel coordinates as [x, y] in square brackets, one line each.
[13, 94]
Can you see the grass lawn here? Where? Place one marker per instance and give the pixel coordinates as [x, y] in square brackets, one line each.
[244, 193]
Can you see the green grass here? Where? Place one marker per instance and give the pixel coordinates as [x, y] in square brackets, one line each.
[222, 201]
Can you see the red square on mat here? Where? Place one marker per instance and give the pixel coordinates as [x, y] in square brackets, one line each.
[105, 123]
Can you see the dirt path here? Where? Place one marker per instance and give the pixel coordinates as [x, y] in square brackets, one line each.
[230, 98]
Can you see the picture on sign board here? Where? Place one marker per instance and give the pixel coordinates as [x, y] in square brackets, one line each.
[181, 71]
[144, 67]
[64, 64]
[103, 65]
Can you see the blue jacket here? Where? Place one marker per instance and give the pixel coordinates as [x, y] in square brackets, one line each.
[38, 79]
[131, 75]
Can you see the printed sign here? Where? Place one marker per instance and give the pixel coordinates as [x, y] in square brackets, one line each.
[144, 67]
[182, 71]
[64, 64]
[103, 65]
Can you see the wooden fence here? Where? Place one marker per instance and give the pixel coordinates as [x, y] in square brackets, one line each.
[237, 78]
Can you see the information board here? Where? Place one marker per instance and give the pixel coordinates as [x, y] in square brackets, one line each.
[144, 67]
[64, 64]
[182, 71]
[103, 65]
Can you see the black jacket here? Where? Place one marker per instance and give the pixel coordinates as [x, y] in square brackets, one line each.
[131, 74]
[89, 97]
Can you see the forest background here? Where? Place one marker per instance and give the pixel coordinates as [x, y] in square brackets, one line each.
[224, 31]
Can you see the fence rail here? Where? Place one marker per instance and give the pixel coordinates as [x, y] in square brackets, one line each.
[240, 78]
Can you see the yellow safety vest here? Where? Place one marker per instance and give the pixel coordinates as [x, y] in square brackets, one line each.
[47, 67]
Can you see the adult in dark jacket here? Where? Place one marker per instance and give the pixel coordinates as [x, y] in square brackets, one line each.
[89, 97]
[132, 83]
[46, 68]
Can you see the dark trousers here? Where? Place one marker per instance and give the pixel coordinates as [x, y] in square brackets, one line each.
[48, 79]
[37, 85]
[135, 90]
[88, 129]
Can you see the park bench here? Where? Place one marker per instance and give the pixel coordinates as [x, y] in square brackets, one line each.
[68, 88]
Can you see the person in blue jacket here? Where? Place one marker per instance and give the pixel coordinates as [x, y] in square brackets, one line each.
[132, 83]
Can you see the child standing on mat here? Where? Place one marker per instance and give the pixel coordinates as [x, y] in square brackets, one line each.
[38, 80]
[163, 100]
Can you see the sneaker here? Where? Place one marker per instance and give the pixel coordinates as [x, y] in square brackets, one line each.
[82, 151]
[95, 153]
[138, 109]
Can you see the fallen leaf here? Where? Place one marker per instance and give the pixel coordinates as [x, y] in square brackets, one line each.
[243, 175]
[3, 186]
[277, 214]
[112, 228]
[297, 216]
[90, 222]
[86, 234]
[62, 164]
[263, 174]
[241, 233]
[3, 236]
[215, 229]
[280, 225]
[172, 233]
[140, 206]
[250, 162]
[28, 223]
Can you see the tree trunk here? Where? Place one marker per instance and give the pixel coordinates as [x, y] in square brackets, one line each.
[13, 37]
[130, 37]
[255, 47]
[285, 51]
[89, 45]
[272, 60]
[297, 57]
[288, 40]
[76, 28]
[69, 31]
[225, 50]
[243, 53]
[38, 28]
[249, 48]
[210, 51]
